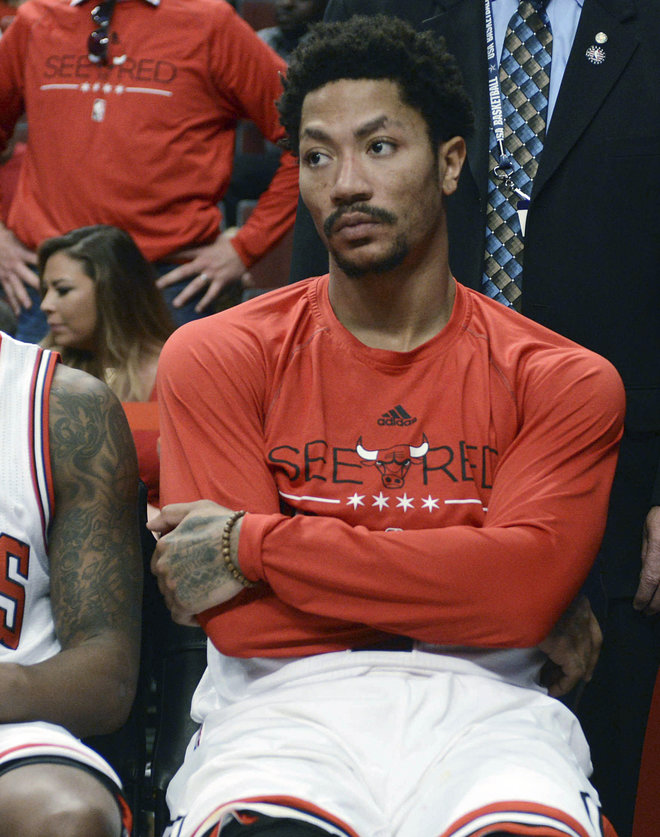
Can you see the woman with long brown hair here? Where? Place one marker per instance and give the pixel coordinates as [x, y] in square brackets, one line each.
[107, 317]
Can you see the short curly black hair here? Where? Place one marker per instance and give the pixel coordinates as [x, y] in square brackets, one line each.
[379, 47]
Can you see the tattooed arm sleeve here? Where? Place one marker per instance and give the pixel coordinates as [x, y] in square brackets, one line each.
[95, 567]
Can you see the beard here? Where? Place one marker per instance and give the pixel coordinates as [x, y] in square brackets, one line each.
[354, 268]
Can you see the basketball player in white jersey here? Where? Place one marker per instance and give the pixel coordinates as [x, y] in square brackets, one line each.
[70, 592]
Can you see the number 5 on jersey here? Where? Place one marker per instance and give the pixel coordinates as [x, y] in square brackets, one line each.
[14, 561]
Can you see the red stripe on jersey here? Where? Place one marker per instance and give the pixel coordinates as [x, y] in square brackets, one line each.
[40, 447]
[33, 446]
[45, 418]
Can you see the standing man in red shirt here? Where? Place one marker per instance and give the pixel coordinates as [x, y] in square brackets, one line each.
[132, 109]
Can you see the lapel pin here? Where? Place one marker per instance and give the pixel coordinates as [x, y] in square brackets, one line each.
[601, 38]
[595, 54]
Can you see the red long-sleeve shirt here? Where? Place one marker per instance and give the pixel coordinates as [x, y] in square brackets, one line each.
[146, 143]
[455, 494]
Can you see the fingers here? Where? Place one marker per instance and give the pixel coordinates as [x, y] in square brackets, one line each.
[25, 274]
[13, 282]
[211, 267]
[15, 293]
[176, 275]
[647, 597]
[196, 286]
[208, 297]
[169, 517]
[191, 539]
[550, 675]
[178, 612]
[573, 647]
[166, 521]
[15, 271]
[557, 680]
[594, 651]
[213, 291]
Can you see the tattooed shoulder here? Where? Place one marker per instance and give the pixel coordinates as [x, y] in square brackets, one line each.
[87, 427]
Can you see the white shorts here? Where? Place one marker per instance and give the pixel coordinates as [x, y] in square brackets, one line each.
[41, 740]
[393, 749]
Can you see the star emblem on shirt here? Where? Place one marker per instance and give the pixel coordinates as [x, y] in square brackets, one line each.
[404, 502]
[381, 501]
[430, 503]
[356, 500]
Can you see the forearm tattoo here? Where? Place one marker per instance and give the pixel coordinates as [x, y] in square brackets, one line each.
[93, 542]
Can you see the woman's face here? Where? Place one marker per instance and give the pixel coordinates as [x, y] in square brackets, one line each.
[69, 302]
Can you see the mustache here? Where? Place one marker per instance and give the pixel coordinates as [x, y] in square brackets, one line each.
[363, 209]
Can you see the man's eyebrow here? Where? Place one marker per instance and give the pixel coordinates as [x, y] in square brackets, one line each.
[371, 126]
[315, 133]
[363, 131]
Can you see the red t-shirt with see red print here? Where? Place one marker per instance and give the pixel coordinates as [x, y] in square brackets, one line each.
[455, 494]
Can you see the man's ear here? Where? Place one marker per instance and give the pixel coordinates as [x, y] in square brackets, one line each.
[451, 156]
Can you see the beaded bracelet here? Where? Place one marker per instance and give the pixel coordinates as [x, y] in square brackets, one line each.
[226, 550]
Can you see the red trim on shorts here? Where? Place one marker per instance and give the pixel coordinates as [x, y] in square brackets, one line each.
[126, 813]
[49, 744]
[291, 802]
[513, 806]
[608, 828]
[246, 819]
[242, 817]
[124, 809]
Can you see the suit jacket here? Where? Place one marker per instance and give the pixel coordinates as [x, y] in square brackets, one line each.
[592, 242]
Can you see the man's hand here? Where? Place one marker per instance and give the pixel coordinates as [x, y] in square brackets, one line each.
[647, 597]
[188, 562]
[213, 266]
[572, 647]
[14, 270]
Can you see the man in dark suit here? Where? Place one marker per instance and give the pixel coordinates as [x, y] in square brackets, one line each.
[592, 273]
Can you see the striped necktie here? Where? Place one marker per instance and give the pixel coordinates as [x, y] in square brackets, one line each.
[524, 77]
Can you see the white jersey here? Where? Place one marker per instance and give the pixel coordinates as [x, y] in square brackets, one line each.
[27, 633]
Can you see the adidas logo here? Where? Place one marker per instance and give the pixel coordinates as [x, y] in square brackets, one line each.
[397, 417]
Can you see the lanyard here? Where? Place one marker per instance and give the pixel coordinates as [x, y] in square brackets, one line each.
[504, 168]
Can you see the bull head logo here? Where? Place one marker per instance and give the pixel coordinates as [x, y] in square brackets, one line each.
[393, 463]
